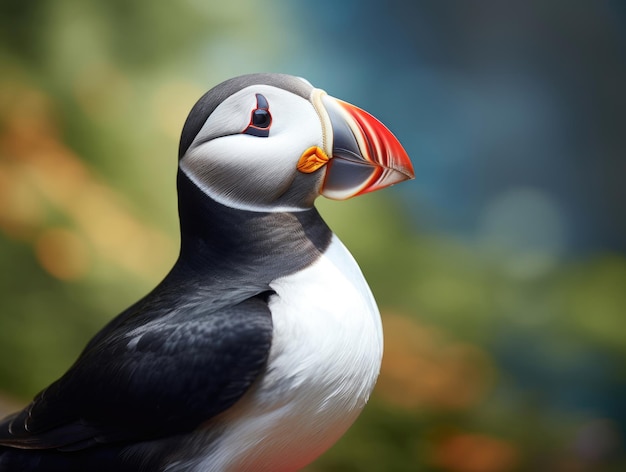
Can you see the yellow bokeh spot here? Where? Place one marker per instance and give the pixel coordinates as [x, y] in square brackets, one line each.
[39, 173]
[63, 253]
[172, 102]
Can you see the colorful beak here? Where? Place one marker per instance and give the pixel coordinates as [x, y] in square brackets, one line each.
[365, 155]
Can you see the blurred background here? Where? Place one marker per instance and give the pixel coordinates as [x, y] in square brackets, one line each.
[500, 271]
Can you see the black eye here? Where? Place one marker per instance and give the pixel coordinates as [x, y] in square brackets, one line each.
[261, 119]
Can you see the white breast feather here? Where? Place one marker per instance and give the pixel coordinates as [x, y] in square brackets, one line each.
[324, 361]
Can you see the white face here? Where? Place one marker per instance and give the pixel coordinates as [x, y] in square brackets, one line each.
[250, 172]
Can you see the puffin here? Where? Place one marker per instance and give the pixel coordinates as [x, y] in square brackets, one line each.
[261, 346]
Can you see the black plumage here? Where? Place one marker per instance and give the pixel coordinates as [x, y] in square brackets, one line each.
[208, 316]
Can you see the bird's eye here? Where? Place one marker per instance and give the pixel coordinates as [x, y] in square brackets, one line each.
[261, 119]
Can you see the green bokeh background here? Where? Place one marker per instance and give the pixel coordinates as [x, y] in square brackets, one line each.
[495, 360]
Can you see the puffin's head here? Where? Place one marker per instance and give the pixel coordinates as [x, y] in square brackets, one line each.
[272, 142]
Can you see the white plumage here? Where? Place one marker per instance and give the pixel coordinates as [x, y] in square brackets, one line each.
[325, 358]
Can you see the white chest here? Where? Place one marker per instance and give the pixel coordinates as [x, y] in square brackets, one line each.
[324, 361]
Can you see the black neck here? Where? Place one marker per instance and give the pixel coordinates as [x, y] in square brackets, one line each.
[262, 246]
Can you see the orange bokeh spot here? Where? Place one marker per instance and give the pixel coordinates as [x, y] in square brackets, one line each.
[422, 368]
[464, 452]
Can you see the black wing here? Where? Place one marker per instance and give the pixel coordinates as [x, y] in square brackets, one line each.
[150, 379]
